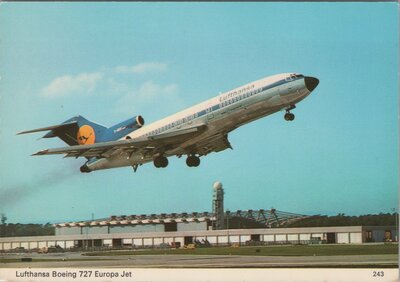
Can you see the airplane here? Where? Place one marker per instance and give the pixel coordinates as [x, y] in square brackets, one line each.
[194, 132]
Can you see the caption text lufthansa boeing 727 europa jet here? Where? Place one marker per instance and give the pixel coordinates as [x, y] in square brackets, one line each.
[195, 132]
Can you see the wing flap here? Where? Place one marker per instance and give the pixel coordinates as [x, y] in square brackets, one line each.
[214, 143]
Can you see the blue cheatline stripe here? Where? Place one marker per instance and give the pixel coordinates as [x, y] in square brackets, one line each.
[202, 113]
[218, 106]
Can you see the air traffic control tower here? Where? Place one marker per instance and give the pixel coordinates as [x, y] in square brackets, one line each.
[218, 206]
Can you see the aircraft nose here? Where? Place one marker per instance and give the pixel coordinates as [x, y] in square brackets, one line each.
[311, 83]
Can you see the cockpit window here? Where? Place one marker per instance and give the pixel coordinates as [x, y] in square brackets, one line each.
[294, 76]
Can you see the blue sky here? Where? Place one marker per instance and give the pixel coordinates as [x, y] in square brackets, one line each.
[111, 61]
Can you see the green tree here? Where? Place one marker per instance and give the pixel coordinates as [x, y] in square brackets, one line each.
[3, 226]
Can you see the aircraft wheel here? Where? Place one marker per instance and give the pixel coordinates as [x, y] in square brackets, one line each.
[196, 161]
[193, 161]
[157, 162]
[160, 162]
[164, 162]
[289, 116]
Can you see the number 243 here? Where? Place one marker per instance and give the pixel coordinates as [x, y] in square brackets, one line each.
[378, 274]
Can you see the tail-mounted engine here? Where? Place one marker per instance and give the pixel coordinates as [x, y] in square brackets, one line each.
[121, 129]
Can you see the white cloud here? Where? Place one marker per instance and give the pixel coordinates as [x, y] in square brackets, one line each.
[149, 95]
[142, 68]
[149, 90]
[87, 82]
[123, 94]
[69, 84]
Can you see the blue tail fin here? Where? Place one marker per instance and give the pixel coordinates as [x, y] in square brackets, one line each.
[78, 131]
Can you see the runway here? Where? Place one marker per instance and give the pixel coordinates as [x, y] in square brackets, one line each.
[76, 260]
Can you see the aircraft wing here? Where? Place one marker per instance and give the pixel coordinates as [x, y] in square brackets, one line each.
[213, 143]
[154, 144]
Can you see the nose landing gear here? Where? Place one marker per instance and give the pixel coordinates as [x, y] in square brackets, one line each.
[288, 115]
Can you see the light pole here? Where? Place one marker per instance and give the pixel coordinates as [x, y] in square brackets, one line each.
[396, 224]
[227, 218]
[227, 212]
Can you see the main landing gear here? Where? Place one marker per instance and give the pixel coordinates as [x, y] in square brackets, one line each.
[289, 116]
[193, 161]
[160, 162]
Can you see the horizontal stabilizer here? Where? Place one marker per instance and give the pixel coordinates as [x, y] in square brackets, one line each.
[59, 126]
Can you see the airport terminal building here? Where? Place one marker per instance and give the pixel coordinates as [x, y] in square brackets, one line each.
[121, 237]
[178, 230]
[219, 228]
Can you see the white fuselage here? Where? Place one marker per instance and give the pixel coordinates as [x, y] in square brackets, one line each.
[222, 114]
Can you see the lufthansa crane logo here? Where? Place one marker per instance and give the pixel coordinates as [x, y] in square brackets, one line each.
[86, 135]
